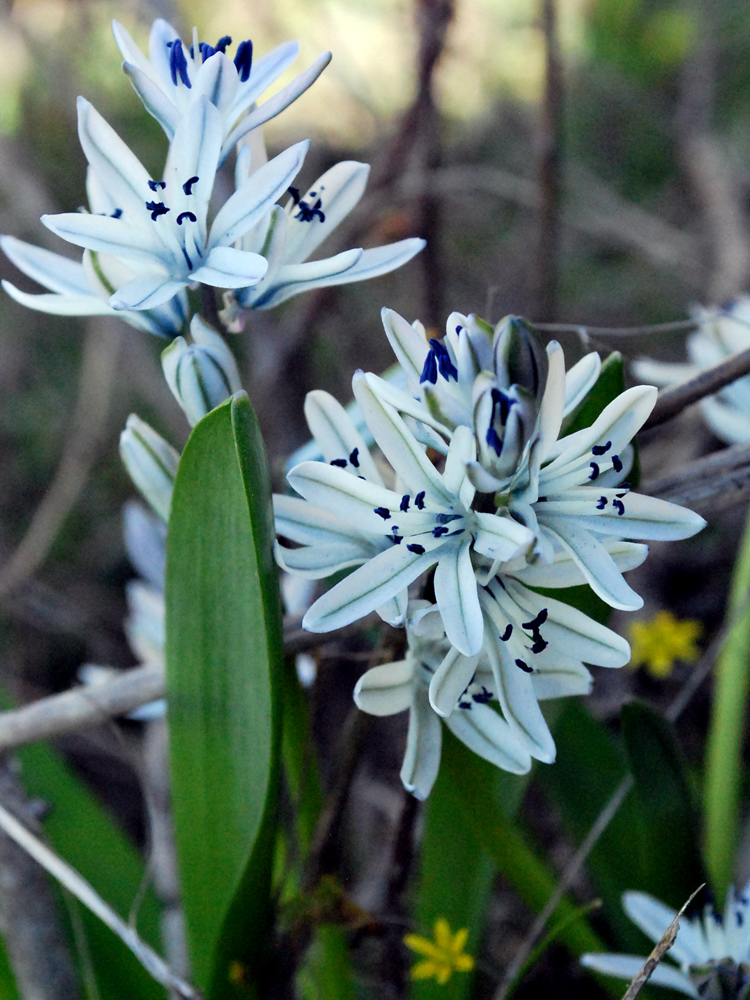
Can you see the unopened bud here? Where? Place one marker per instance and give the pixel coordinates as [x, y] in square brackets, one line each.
[520, 357]
[201, 375]
[151, 463]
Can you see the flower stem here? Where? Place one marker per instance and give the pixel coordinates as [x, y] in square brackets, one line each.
[209, 307]
[727, 731]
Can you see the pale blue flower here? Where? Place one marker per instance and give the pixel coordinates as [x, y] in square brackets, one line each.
[175, 75]
[202, 374]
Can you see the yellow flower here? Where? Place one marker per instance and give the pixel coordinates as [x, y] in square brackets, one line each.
[658, 643]
[443, 956]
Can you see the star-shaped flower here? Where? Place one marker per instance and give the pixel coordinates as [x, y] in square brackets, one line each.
[662, 640]
[176, 75]
[716, 944]
[404, 685]
[287, 237]
[428, 523]
[443, 956]
[160, 227]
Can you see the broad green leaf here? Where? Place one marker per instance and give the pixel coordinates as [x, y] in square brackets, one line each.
[224, 662]
[727, 731]
[326, 973]
[82, 831]
[300, 760]
[674, 867]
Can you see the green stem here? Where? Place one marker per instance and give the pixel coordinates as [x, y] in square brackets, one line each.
[727, 731]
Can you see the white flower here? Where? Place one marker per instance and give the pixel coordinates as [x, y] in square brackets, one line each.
[721, 334]
[160, 227]
[427, 522]
[716, 939]
[151, 463]
[203, 374]
[287, 237]
[397, 687]
[175, 76]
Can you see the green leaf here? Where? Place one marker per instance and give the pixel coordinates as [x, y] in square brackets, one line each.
[224, 661]
[674, 867]
[82, 831]
[727, 731]
[326, 973]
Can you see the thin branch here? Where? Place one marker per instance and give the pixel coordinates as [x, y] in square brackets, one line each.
[673, 401]
[83, 891]
[710, 484]
[87, 431]
[621, 331]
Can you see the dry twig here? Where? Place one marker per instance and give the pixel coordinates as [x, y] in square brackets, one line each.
[673, 401]
[708, 485]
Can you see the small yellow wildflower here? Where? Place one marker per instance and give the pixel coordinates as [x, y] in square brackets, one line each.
[443, 956]
[662, 640]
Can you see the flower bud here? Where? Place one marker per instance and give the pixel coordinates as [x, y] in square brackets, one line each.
[520, 357]
[201, 375]
[151, 463]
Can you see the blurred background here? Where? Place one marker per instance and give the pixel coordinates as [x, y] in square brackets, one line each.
[600, 180]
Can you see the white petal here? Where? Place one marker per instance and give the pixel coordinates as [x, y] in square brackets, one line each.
[337, 436]
[500, 537]
[662, 372]
[151, 463]
[450, 680]
[463, 450]
[393, 611]
[553, 401]
[595, 562]
[338, 191]
[146, 292]
[385, 690]
[227, 267]
[423, 744]
[274, 105]
[727, 422]
[654, 917]
[409, 344]
[317, 562]
[561, 679]
[162, 34]
[315, 273]
[398, 444]
[60, 305]
[380, 579]
[353, 500]
[642, 517]
[580, 379]
[262, 74]
[565, 572]
[482, 730]
[406, 404]
[130, 51]
[155, 101]
[218, 81]
[628, 967]
[114, 236]
[57, 273]
[456, 595]
[251, 202]
[121, 172]
[308, 524]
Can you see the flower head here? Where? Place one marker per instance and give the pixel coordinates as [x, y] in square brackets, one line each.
[202, 374]
[160, 228]
[177, 75]
[443, 956]
[715, 942]
[663, 639]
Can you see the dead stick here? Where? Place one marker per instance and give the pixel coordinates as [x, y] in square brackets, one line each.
[673, 401]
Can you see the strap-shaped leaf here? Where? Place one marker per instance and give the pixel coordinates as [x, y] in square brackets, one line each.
[224, 650]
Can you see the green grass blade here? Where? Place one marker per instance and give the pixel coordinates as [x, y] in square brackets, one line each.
[224, 661]
[727, 732]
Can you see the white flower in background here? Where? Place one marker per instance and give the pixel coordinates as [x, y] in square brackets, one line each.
[202, 374]
[176, 75]
[428, 522]
[287, 236]
[159, 228]
[721, 333]
[401, 686]
[151, 463]
[716, 944]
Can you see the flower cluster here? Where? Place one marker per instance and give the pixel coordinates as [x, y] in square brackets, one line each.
[711, 951]
[476, 498]
[720, 334]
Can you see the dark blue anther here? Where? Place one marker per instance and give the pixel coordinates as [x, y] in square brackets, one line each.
[507, 633]
[537, 622]
[156, 208]
[221, 45]
[157, 185]
[617, 463]
[740, 918]
[294, 192]
[619, 507]
[185, 215]
[404, 502]
[594, 471]
[601, 503]
[416, 549]
[243, 59]
[459, 328]
[539, 644]
[117, 214]
[465, 704]
[494, 440]
[483, 697]
[178, 63]
[340, 463]
[542, 500]
[430, 369]
[354, 458]
[419, 500]
[525, 667]
[447, 369]
[185, 255]
[440, 530]
[308, 212]
[206, 50]
[383, 512]
[601, 449]
[187, 187]
[397, 539]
